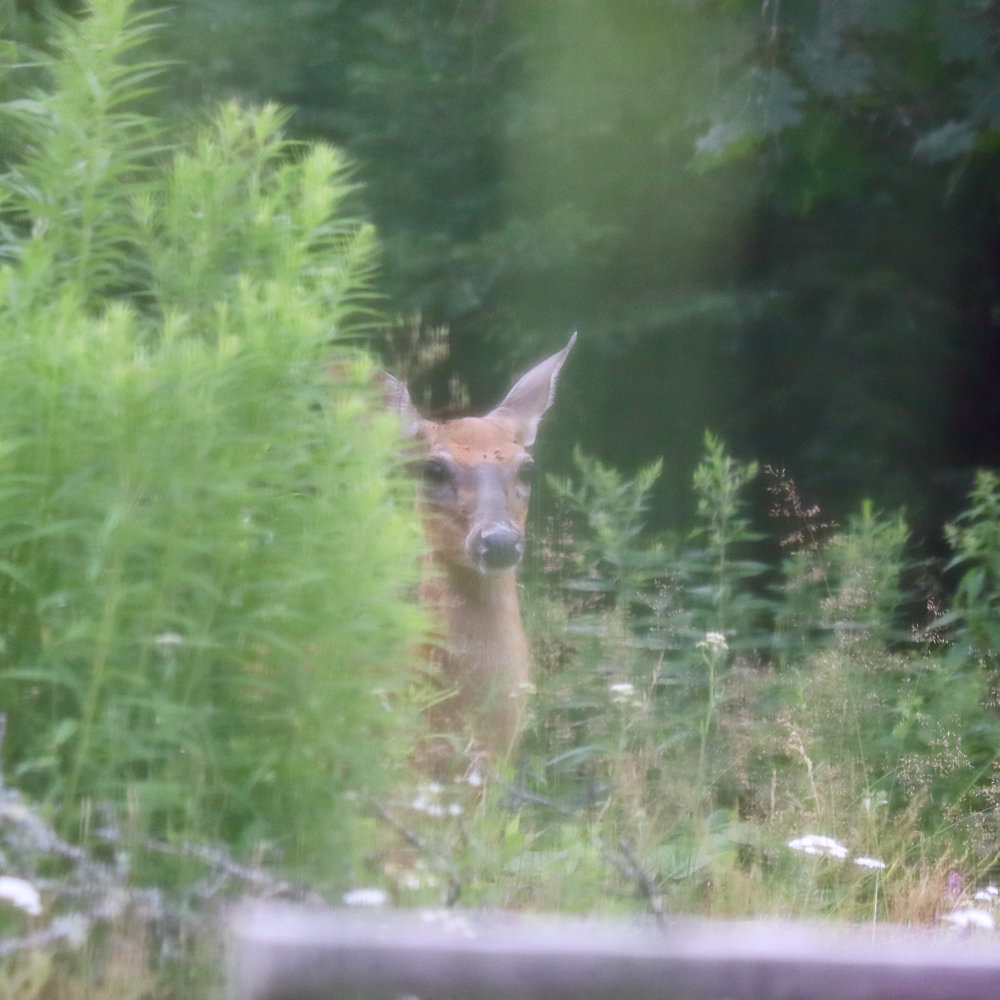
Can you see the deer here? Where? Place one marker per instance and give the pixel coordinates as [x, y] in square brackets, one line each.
[475, 484]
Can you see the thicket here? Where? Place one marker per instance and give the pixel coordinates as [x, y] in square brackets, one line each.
[717, 735]
[202, 560]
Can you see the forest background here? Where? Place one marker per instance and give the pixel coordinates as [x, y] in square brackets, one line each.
[776, 220]
[765, 573]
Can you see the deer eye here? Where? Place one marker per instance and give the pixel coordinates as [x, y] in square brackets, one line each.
[527, 473]
[435, 473]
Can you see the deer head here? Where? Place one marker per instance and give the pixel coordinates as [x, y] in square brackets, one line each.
[477, 471]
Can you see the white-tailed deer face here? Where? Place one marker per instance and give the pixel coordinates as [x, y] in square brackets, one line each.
[477, 472]
[475, 493]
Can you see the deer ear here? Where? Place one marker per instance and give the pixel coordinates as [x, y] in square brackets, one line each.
[397, 400]
[531, 395]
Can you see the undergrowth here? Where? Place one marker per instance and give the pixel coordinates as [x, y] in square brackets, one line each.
[203, 567]
[711, 738]
[203, 560]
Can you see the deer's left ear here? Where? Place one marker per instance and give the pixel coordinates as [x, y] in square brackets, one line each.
[397, 400]
[531, 395]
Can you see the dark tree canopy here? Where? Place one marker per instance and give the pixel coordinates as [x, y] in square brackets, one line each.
[776, 220]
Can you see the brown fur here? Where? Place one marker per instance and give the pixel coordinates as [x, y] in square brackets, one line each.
[474, 505]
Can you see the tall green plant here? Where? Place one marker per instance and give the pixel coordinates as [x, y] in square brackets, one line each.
[613, 509]
[719, 569]
[975, 540]
[201, 556]
[78, 137]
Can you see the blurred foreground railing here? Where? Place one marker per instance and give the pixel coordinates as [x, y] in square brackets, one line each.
[288, 954]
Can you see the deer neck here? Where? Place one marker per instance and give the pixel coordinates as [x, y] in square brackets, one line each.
[483, 653]
[480, 617]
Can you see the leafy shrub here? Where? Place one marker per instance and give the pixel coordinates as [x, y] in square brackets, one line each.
[975, 539]
[201, 557]
[704, 723]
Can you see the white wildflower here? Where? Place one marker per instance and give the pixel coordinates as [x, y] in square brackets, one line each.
[813, 843]
[621, 693]
[427, 800]
[21, 893]
[365, 897]
[869, 863]
[415, 879]
[989, 894]
[714, 642]
[971, 918]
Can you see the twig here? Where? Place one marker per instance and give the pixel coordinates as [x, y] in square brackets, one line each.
[629, 866]
[422, 845]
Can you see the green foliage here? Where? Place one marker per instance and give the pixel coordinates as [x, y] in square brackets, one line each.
[613, 509]
[975, 539]
[683, 746]
[660, 638]
[847, 588]
[201, 556]
[700, 187]
[719, 576]
[78, 137]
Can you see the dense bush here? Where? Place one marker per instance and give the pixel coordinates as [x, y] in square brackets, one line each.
[202, 563]
[715, 736]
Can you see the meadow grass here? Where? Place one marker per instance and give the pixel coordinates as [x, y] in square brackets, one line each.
[204, 558]
[707, 741]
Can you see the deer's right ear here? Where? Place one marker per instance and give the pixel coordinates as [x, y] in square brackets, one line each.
[532, 395]
[397, 400]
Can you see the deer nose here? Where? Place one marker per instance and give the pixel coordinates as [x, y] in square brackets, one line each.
[498, 548]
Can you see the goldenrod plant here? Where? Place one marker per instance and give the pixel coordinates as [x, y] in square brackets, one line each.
[203, 562]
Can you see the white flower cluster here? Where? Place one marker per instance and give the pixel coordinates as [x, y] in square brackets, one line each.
[428, 801]
[973, 917]
[827, 847]
[622, 693]
[714, 643]
[970, 918]
[365, 897]
[21, 893]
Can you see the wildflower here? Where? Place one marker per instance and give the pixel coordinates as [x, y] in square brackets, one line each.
[365, 897]
[428, 800]
[21, 893]
[429, 807]
[621, 693]
[971, 918]
[714, 642]
[989, 894]
[869, 863]
[814, 843]
[415, 879]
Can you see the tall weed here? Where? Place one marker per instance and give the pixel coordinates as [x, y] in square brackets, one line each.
[201, 555]
[710, 738]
